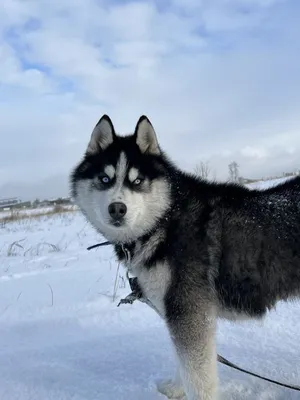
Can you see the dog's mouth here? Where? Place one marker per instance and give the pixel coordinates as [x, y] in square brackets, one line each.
[117, 223]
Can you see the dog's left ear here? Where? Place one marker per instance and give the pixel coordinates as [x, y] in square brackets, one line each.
[146, 137]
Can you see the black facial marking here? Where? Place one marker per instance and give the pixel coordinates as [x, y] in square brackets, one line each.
[150, 167]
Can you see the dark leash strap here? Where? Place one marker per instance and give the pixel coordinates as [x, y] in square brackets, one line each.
[221, 359]
[98, 245]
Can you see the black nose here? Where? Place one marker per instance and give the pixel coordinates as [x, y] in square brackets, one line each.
[117, 210]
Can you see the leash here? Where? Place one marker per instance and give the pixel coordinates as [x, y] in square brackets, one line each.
[220, 359]
[98, 245]
[223, 360]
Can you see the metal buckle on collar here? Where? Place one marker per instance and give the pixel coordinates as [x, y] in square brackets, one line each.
[126, 254]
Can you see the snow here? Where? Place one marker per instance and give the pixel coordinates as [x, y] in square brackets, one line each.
[62, 336]
[261, 185]
[33, 211]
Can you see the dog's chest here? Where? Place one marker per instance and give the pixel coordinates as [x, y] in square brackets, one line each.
[155, 283]
[154, 280]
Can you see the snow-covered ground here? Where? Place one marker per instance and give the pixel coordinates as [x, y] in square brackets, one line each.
[32, 211]
[261, 185]
[62, 336]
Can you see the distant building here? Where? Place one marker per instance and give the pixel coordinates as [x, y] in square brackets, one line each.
[9, 202]
[13, 202]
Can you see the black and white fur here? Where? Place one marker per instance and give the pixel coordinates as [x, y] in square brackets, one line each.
[199, 250]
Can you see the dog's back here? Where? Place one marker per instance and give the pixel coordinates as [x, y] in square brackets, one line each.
[260, 261]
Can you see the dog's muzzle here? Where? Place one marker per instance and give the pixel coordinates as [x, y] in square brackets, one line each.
[117, 212]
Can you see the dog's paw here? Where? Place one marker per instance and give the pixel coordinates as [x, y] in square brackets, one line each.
[170, 389]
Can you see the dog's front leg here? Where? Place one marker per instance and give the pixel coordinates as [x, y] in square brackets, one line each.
[172, 388]
[193, 333]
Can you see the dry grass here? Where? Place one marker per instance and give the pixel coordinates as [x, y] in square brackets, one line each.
[17, 215]
[13, 246]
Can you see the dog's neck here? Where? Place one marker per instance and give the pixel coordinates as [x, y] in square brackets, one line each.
[140, 251]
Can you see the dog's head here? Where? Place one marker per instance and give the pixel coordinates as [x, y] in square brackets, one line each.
[122, 184]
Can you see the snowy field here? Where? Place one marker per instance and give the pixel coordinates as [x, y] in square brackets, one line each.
[62, 336]
[33, 211]
[266, 184]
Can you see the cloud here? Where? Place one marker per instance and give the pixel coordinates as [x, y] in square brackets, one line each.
[219, 79]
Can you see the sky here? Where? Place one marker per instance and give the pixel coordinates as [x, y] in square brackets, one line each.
[219, 80]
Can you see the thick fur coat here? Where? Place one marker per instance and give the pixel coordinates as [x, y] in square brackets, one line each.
[199, 250]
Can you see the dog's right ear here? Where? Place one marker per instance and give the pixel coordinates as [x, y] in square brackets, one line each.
[102, 136]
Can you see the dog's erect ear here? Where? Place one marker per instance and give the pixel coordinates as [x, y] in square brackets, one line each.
[146, 137]
[102, 136]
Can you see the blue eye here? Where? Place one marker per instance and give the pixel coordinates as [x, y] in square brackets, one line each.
[105, 179]
[138, 181]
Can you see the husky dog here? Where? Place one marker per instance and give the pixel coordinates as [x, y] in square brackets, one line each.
[199, 250]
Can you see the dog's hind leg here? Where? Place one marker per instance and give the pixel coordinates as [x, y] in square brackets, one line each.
[193, 333]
